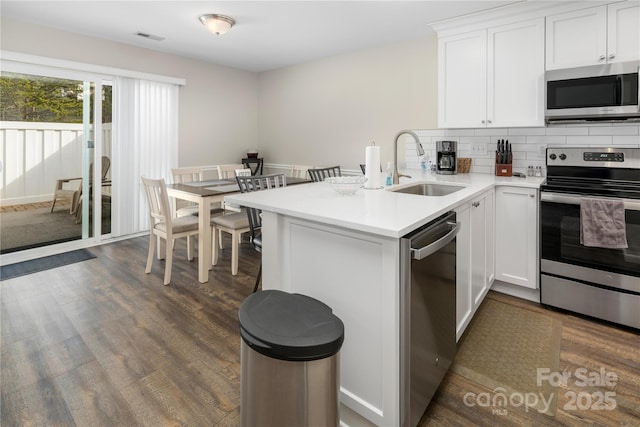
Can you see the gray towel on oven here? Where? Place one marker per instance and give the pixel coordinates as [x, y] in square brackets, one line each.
[602, 223]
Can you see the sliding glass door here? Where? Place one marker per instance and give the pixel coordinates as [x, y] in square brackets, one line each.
[55, 158]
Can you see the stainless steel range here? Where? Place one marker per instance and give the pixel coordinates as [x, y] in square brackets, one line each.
[584, 264]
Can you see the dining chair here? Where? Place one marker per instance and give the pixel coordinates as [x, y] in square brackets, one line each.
[234, 222]
[258, 183]
[71, 188]
[186, 175]
[228, 171]
[243, 172]
[299, 171]
[163, 226]
[319, 174]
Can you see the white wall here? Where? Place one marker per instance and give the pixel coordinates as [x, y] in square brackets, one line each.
[322, 112]
[325, 112]
[218, 117]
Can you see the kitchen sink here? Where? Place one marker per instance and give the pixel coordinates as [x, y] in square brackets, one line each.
[426, 189]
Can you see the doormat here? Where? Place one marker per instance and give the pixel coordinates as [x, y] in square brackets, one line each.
[503, 349]
[45, 263]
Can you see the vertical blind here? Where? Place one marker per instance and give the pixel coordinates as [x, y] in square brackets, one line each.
[145, 131]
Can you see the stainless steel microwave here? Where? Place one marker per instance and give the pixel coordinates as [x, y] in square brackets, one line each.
[607, 92]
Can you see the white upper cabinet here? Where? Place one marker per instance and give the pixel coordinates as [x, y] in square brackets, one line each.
[462, 80]
[515, 74]
[623, 31]
[493, 77]
[593, 36]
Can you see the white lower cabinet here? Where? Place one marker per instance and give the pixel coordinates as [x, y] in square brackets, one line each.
[516, 239]
[358, 275]
[475, 245]
[463, 271]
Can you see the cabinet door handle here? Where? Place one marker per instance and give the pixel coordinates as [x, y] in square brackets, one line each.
[532, 195]
[602, 57]
[488, 121]
[611, 56]
[482, 121]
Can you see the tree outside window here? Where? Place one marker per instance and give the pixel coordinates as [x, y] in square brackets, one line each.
[45, 99]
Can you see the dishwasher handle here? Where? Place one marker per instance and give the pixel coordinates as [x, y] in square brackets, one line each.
[438, 244]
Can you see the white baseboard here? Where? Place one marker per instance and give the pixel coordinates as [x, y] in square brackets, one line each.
[516, 291]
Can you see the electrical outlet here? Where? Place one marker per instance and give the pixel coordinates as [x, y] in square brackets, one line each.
[478, 150]
[542, 151]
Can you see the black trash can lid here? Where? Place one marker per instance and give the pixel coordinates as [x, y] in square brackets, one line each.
[290, 326]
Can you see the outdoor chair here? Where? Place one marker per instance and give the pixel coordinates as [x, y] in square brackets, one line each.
[70, 189]
[105, 198]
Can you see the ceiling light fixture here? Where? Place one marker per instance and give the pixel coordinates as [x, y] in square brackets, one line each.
[218, 24]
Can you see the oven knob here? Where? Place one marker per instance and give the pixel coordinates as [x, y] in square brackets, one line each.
[563, 156]
[552, 156]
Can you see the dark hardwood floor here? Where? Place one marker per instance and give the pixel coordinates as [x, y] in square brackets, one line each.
[586, 347]
[100, 343]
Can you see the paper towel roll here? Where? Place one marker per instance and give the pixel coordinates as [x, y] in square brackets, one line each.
[372, 167]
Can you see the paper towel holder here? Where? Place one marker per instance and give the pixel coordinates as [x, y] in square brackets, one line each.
[372, 158]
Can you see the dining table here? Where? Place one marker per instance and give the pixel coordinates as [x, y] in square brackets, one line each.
[204, 193]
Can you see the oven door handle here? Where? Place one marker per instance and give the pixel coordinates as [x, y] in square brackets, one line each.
[567, 199]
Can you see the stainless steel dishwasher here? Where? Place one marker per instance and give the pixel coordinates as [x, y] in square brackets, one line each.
[428, 313]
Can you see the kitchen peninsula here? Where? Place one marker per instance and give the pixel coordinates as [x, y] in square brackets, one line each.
[345, 251]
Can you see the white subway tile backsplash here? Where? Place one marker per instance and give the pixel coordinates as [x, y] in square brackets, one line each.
[567, 131]
[460, 132]
[528, 144]
[430, 132]
[600, 141]
[547, 140]
[614, 130]
[520, 147]
[474, 140]
[482, 169]
[631, 141]
[500, 132]
[483, 162]
[527, 131]
[512, 139]
[536, 155]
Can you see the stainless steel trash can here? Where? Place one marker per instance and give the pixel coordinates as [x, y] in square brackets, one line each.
[289, 361]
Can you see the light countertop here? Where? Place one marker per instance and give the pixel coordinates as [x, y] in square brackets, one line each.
[380, 212]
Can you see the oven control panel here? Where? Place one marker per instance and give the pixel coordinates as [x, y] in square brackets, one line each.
[591, 156]
[600, 157]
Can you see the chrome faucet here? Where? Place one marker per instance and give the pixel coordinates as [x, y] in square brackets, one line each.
[419, 152]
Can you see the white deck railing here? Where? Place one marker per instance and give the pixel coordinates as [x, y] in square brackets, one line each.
[34, 155]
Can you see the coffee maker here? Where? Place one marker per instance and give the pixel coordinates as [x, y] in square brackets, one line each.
[446, 157]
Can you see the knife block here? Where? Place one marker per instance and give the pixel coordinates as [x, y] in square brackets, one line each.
[503, 169]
